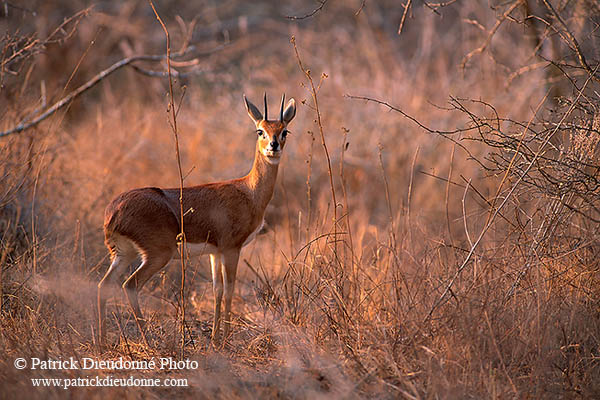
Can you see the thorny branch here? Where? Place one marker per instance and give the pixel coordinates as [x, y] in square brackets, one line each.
[523, 156]
[488, 224]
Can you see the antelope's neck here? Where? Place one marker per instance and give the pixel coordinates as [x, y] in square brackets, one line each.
[261, 180]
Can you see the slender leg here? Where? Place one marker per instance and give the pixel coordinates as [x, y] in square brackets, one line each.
[229, 273]
[151, 264]
[118, 265]
[216, 264]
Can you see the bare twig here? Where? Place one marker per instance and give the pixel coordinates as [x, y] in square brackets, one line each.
[435, 6]
[505, 177]
[520, 178]
[362, 5]
[387, 198]
[344, 148]
[447, 195]
[446, 134]
[313, 92]
[409, 195]
[310, 14]
[491, 34]
[499, 354]
[573, 40]
[91, 83]
[465, 214]
[406, 7]
[413, 119]
[477, 192]
[36, 45]
[181, 235]
[525, 69]
[308, 187]
[163, 74]
[123, 334]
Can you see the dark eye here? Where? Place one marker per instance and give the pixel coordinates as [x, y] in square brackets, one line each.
[260, 132]
[284, 133]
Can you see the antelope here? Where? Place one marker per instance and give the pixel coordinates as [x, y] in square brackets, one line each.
[226, 216]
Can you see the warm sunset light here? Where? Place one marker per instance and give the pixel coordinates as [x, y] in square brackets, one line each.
[309, 199]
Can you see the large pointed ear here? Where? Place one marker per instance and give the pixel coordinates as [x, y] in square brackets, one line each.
[290, 111]
[253, 111]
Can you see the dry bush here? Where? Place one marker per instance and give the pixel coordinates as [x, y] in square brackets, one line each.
[398, 298]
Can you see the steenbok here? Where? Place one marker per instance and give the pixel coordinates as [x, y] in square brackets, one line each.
[222, 218]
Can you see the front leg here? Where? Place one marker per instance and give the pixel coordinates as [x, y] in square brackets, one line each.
[229, 273]
[216, 264]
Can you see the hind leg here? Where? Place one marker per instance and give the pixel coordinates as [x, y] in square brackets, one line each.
[152, 262]
[120, 262]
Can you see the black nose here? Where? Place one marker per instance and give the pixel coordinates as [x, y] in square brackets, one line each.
[274, 145]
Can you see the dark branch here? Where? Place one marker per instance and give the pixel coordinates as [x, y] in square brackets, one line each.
[580, 56]
[97, 78]
[313, 12]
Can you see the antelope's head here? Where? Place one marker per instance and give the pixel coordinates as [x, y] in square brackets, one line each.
[272, 133]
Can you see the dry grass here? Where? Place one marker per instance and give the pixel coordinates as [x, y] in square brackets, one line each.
[362, 310]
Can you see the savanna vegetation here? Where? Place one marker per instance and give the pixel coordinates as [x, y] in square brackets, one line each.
[435, 229]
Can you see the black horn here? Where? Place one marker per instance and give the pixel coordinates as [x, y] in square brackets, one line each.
[266, 118]
[281, 110]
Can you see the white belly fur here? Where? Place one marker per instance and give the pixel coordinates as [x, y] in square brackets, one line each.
[200, 249]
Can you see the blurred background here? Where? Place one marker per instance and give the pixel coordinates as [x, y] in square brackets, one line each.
[490, 132]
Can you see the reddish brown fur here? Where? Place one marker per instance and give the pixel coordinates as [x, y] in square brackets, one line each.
[221, 215]
[224, 213]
